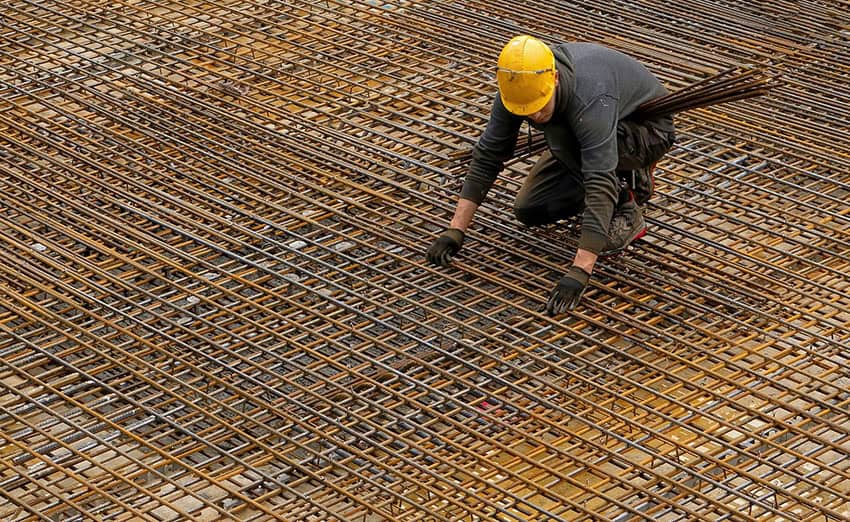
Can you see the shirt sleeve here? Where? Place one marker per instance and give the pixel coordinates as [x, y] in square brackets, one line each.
[495, 146]
[596, 132]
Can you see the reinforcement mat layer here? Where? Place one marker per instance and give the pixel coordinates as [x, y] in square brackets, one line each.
[214, 302]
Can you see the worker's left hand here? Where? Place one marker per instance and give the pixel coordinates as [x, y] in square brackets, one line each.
[445, 247]
[567, 293]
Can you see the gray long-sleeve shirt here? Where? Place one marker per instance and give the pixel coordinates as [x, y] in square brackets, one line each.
[597, 87]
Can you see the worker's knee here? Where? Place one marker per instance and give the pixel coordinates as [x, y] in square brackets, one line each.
[531, 216]
[549, 212]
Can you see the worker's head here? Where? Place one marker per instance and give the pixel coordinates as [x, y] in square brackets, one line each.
[527, 77]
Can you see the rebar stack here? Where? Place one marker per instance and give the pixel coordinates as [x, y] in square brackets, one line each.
[214, 303]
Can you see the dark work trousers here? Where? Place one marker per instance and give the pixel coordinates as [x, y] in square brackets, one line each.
[554, 189]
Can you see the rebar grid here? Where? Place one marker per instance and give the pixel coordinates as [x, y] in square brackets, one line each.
[214, 302]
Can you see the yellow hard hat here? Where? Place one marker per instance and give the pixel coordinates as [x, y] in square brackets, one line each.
[526, 75]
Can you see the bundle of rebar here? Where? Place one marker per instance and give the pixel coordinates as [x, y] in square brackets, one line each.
[727, 86]
[214, 302]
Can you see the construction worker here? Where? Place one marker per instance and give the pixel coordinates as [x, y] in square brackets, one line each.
[598, 163]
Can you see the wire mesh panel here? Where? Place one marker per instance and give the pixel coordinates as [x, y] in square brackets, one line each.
[214, 302]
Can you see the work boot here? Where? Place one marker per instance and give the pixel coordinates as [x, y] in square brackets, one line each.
[643, 183]
[627, 225]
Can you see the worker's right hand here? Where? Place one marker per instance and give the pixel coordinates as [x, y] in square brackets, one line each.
[567, 293]
[445, 247]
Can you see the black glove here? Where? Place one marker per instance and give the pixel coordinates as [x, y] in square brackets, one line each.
[566, 295]
[445, 247]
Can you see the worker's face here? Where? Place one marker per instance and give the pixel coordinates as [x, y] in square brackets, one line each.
[545, 114]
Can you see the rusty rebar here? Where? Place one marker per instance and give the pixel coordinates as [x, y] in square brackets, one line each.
[214, 301]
